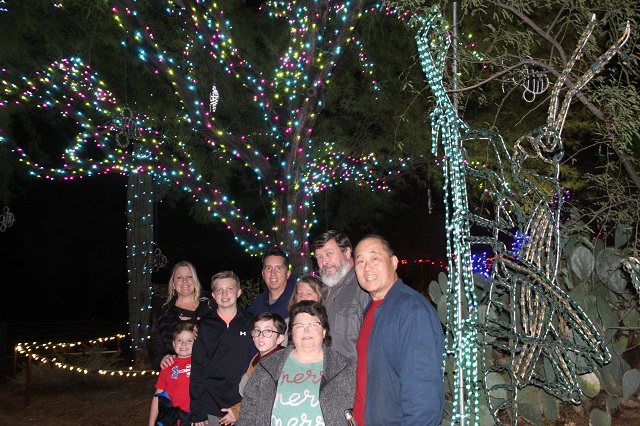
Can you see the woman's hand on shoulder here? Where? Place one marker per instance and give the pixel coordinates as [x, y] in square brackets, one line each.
[167, 361]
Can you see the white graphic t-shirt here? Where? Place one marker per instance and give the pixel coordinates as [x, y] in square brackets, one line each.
[298, 395]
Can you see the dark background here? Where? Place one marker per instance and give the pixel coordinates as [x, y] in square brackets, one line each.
[64, 258]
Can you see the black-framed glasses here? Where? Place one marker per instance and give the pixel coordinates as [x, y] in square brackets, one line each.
[265, 333]
[313, 326]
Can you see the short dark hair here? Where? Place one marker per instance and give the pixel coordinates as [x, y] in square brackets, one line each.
[275, 251]
[183, 326]
[278, 321]
[385, 244]
[314, 309]
[341, 240]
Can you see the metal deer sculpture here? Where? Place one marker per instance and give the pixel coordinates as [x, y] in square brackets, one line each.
[542, 336]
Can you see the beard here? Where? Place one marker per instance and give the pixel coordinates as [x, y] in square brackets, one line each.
[341, 272]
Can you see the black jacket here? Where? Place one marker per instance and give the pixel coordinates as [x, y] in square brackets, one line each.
[218, 361]
[163, 325]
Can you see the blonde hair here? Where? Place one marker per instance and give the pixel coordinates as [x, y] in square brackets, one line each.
[172, 286]
[312, 281]
[225, 274]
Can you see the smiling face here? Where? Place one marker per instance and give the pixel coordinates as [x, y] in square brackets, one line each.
[306, 337]
[333, 263]
[275, 274]
[184, 281]
[305, 292]
[266, 344]
[375, 267]
[183, 344]
[226, 292]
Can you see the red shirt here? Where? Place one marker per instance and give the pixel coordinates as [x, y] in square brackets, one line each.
[175, 381]
[362, 346]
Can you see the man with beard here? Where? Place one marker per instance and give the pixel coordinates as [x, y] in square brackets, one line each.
[342, 295]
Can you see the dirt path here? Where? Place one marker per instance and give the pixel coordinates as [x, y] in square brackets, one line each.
[123, 403]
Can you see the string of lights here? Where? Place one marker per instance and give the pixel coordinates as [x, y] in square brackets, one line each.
[527, 318]
[37, 352]
[297, 166]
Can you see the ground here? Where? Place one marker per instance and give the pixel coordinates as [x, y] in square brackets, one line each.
[70, 399]
[119, 401]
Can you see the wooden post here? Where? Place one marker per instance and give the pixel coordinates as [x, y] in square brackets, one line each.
[15, 362]
[27, 396]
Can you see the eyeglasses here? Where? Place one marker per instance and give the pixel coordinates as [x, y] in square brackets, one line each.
[313, 326]
[265, 333]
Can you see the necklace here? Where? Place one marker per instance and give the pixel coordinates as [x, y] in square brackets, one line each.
[185, 313]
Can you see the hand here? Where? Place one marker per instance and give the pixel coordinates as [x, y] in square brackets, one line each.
[167, 361]
[205, 423]
[229, 419]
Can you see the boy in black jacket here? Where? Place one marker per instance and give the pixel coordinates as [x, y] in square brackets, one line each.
[220, 353]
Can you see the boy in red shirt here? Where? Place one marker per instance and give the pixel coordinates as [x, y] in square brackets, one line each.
[173, 381]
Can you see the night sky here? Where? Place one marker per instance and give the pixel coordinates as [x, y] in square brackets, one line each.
[66, 256]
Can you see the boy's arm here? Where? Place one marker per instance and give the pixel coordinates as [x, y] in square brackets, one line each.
[204, 348]
[153, 414]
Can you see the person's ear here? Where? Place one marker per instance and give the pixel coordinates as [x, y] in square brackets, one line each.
[280, 339]
[239, 293]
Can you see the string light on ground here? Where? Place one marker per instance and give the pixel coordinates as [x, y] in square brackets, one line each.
[35, 351]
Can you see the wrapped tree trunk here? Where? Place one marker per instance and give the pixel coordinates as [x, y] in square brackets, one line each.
[140, 198]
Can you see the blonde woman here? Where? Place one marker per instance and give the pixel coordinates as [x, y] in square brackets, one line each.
[184, 304]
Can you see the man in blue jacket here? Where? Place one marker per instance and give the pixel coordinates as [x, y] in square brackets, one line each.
[277, 277]
[399, 377]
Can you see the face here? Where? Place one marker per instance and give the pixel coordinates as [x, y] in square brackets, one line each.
[275, 273]
[305, 292]
[333, 263]
[265, 344]
[307, 338]
[226, 292]
[183, 344]
[375, 268]
[183, 281]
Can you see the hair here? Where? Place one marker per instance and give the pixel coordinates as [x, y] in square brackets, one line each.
[313, 281]
[183, 326]
[314, 309]
[275, 251]
[385, 244]
[225, 274]
[172, 286]
[340, 238]
[278, 321]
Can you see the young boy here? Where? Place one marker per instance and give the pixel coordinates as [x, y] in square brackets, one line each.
[269, 331]
[220, 353]
[173, 381]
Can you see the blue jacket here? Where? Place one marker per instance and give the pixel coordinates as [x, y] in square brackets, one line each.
[405, 381]
[261, 302]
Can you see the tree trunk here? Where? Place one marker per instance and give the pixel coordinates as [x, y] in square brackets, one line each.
[139, 250]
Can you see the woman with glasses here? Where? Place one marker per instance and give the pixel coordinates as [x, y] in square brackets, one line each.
[308, 383]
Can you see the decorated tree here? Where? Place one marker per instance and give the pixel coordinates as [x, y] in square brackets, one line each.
[518, 329]
[197, 100]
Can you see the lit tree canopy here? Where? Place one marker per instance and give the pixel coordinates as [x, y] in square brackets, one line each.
[273, 84]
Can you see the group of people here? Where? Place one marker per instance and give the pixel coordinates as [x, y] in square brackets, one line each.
[352, 346]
